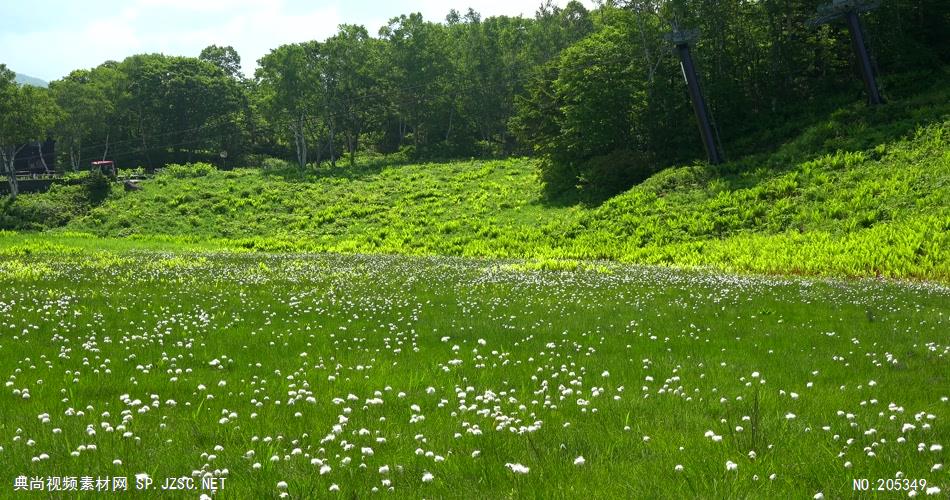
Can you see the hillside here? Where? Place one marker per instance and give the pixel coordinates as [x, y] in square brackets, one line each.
[30, 80]
[863, 192]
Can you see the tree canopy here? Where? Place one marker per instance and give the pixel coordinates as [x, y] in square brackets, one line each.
[596, 94]
[27, 114]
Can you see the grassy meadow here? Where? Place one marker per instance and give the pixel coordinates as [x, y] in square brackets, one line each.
[323, 375]
[857, 192]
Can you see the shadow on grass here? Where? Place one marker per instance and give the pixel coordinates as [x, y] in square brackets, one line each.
[579, 198]
[362, 168]
[843, 124]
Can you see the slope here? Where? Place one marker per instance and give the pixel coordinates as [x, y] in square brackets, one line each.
[30, 80]
[863, 192]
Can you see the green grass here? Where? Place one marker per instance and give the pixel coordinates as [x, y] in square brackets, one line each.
[186, 298]
[866, 192]
[644, 351]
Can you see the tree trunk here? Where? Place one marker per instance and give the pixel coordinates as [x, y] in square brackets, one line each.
[356, 139]
[332, 145]
[148, 157]
[106, 151]
[300, 142]
[14, 184]
[448, 130]
[319, 152]
[75, 152]
[39, 147]
[352, 139]
[641, 13]
[8, 155]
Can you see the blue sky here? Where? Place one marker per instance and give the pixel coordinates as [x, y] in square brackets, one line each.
[48, 39]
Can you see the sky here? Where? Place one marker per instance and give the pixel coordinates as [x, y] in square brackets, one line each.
[48, 38]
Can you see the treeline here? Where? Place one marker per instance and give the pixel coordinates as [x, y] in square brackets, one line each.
[597, 95]
[429, 89]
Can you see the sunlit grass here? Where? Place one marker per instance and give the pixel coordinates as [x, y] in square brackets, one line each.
[859, 192]
[882, 212]
[442, 377]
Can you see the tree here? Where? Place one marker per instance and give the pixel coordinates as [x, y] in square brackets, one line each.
[112, 83]
[546, 40]
[571, 85]
[576, 22]
[418, 77]
[225, 58]
[180, 104]
[290, 89]
[27, 114]
[586, 108]
[85, 105]
[491, 67]
[199, 95]
[350, 73]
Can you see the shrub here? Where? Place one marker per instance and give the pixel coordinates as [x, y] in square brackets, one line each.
[275, 164]
[188, 170]
[75, 177]
[40, 211]
[556, 178]
[132, 171]
[97, 186]
[606, 175]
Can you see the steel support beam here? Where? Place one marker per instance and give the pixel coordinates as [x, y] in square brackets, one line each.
[864, 59]
[699, 103]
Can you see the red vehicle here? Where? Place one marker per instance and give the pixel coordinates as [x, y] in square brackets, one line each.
[106, 167]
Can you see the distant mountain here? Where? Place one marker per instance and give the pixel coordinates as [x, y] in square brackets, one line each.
[29, 80]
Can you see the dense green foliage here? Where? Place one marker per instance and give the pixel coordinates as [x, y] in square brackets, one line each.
[864, 192]
[27, 114]
[611, 108]
[74, 197]
[84, 99]
[596, 94]
[370, 372]
[433, 89]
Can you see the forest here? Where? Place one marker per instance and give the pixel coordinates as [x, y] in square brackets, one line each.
[597, 96]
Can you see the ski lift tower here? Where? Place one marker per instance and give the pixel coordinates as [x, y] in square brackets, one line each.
[682, 40]
[849, 11]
